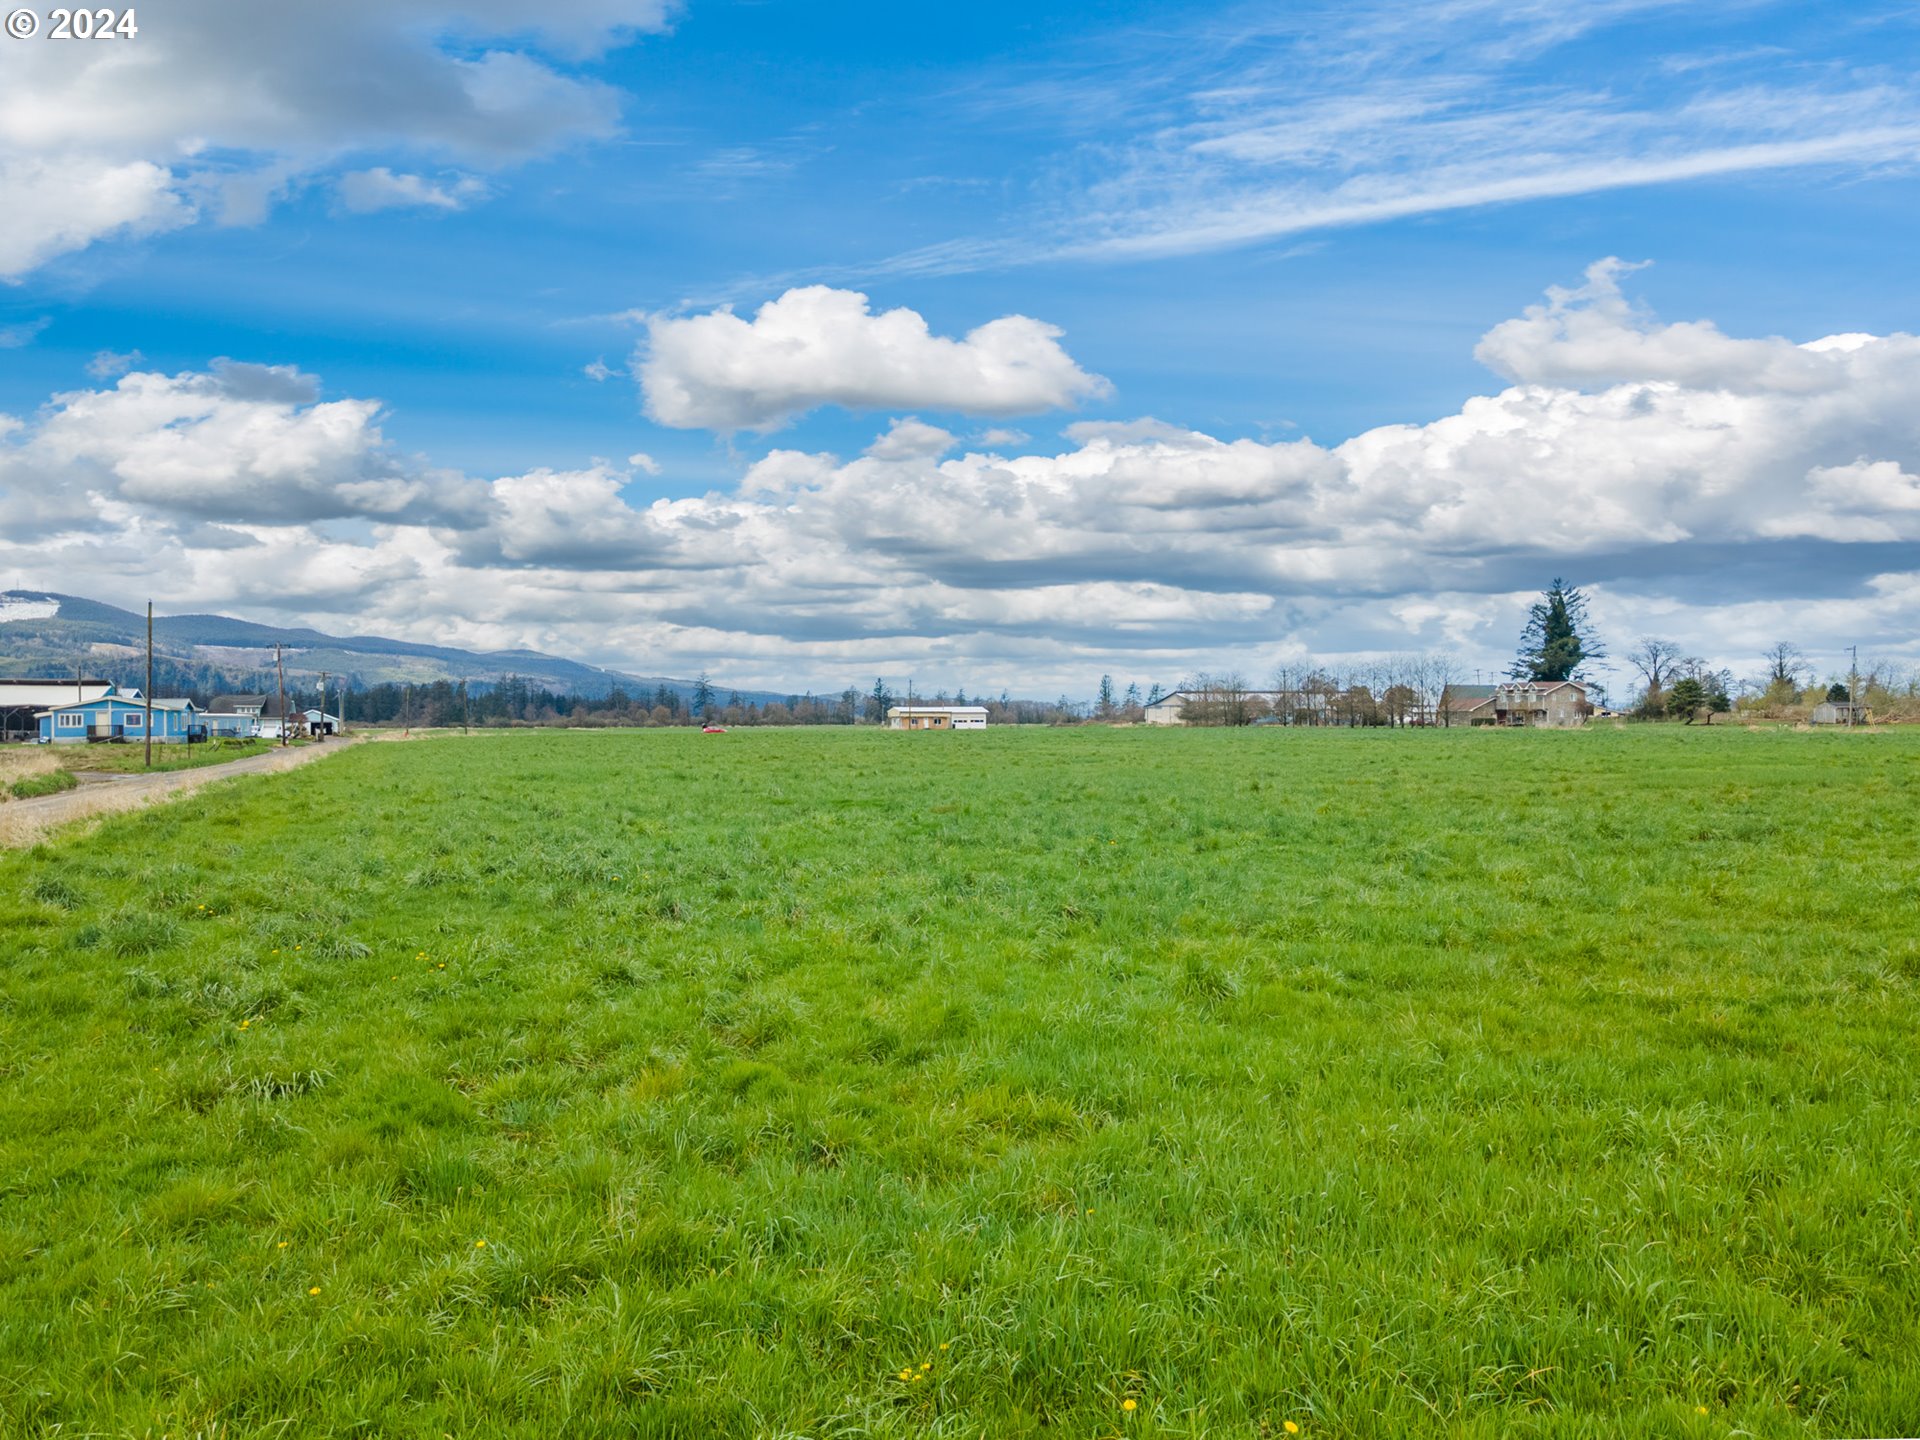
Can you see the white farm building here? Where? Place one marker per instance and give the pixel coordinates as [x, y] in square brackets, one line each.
[936, 717]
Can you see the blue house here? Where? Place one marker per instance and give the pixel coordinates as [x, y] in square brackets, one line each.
[120, 717]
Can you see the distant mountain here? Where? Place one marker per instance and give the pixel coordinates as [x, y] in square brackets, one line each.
[46, 633]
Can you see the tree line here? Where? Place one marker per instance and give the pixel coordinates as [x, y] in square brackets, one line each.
[515, 700]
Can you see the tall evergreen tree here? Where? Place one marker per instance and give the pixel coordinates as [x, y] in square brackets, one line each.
[1687, 698]
[1557, 640]
[702, 694]
[1106, 697]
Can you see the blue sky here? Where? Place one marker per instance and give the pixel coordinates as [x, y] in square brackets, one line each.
[1258, 224]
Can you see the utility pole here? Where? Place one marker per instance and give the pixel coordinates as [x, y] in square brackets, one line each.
[148, 697]
[323, 704]
[1853, 688]
[280, 669]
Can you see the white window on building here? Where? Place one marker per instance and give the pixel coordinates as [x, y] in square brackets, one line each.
[70, 720]
[132, 722]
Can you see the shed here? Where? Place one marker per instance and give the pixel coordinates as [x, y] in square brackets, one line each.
[1838, 712]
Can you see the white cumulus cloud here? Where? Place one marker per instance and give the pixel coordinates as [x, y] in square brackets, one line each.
[1773, 493]
[818, 346]
[237, 445]
[205, 113]
[53, 206]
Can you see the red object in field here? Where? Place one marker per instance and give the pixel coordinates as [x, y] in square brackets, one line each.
[713, 729]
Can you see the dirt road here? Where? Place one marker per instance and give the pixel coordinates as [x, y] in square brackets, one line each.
[24, 821]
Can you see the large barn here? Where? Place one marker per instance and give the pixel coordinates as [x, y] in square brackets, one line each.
[22, 700]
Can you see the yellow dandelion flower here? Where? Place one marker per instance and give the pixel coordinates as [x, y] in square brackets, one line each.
[281, 1246]
[943, 1345]
[314, 1291]
[1701, 1408]
[906, 1374]
[1291, 1428]
[1128, 1404]
[926, 1364]
[479, 1244]
[276, 952]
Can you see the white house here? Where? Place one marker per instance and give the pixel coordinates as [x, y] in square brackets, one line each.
[936, 717]
[271, 723]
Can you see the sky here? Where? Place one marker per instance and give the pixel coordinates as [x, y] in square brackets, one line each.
[996, 347]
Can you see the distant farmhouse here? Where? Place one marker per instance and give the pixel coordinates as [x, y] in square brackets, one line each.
[120, 715]
[235, 716]
[21, 702]
[1547, 704]
[936, 717]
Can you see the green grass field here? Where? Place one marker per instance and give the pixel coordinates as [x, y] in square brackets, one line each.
[133, 755]
[1086, 1082]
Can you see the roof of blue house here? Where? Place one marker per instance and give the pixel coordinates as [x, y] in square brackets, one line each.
[124, 702]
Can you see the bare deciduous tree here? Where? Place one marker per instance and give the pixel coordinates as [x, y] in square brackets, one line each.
[1656, 660]
[1785, 664]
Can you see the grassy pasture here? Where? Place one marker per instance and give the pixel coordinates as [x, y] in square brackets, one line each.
[836, 1083]
[132, 756]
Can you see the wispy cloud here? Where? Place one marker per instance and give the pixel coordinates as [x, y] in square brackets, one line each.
[107, 364]
[18, 337]
[1243, 220]
[1261, 127]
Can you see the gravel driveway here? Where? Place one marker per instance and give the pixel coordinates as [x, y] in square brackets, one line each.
[24, 821]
